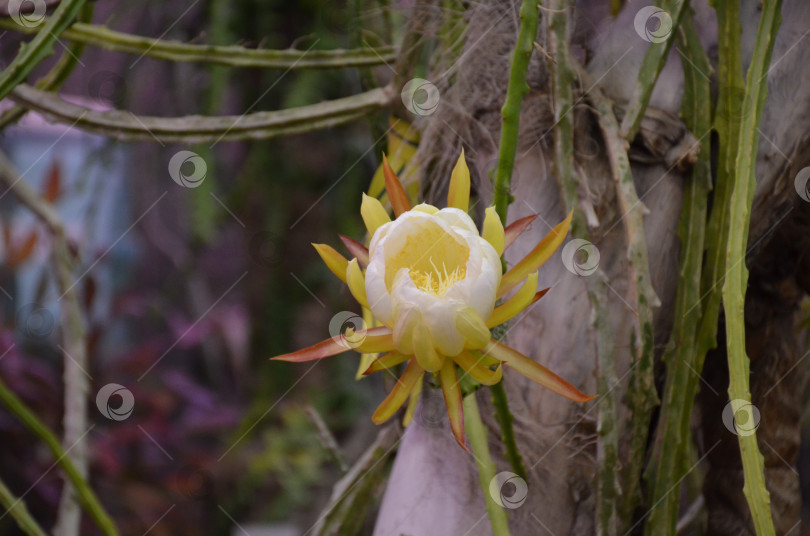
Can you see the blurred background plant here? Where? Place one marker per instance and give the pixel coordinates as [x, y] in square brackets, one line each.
[188, 291]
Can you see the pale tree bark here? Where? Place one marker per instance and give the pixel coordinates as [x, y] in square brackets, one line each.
[433, 487]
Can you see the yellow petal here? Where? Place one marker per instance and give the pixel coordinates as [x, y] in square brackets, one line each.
[398, 395]
[452, 399]
[413, 401]
[473, 364]
[493, 230]
[373, 213]
[357, 282]
[424, 350]
[391, 359]
[458, 195]
[472, 328]
[536, 257]
[514, 305]
[334, 260]
[370, 343]
[366, 359]
[535, 371]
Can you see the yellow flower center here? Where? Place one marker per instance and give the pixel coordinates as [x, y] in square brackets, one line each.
[417, 252]
[437, 282]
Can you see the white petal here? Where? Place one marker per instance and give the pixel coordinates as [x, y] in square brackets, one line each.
[379, 300]
[457, 218]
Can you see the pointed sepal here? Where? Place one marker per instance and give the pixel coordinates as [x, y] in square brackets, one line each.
[536, 257]
[393, 187]
[399, 394]
[369, 340]
[535, 371]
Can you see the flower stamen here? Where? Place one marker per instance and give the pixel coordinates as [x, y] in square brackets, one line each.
[438, 281]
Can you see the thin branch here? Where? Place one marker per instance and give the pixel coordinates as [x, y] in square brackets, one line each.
[18, 510]
[654, 61]
[190, 129]
[683, 360]
[358, 490]
[562, 81]
[516, 90]
[231, 55]
[40, 47]
[641, 397]
[56, 76]
[328, 441]
[74, 343]
[734, 287]
[86, 495]
[477, 433]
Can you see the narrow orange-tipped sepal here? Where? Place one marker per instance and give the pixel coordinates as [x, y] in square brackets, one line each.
[357, 250]
[535, 371]
[391, 359]
[536, 257]
[539, 294]
[452, 399]
[372, 340]
[399, 394]
[473, 364]
[393, 187]
[516, 228]
[413, 401]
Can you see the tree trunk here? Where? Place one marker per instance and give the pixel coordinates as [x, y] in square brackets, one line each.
[433, 488]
